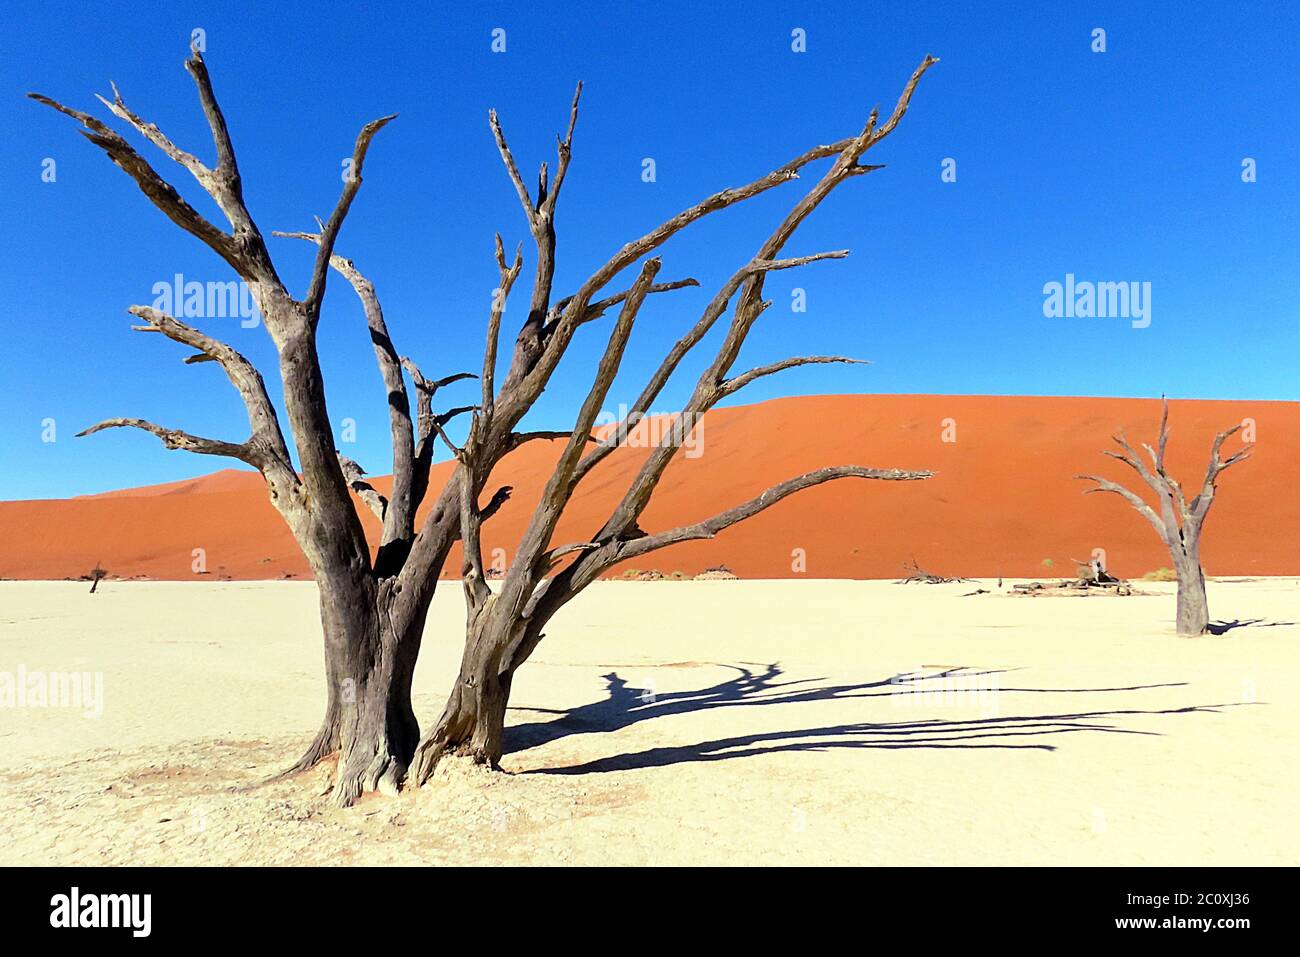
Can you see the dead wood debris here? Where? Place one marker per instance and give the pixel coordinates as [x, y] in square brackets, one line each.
[919, 574]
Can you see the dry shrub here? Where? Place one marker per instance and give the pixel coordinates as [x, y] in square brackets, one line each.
[1161, 575]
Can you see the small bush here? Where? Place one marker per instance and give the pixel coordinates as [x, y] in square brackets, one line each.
[1161, 575]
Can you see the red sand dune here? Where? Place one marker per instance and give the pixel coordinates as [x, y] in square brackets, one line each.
[1003, 500]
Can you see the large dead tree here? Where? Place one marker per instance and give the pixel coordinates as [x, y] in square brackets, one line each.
[1179, 523]
[373, 610]
[504, 627]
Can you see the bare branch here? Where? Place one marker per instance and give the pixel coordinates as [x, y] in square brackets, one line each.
[431, 386]
[243, 375]
[443, 418]
[161, 193]
[355, 476]
[1134, 461]
[1200, 506]
[521, 438]
[473, 577]
[439, 431]
[156, 136]
[176, 439]
[538, 366]
[563, 550]
[692, 337]
[710, 527]
[564, 149]
[226, 185]
[559, 488]
[329, 232]
[723, 199]
[399, 520]
[1164, 435]
[226, 161]
[597, 309]
[749, 307]
[530, 211]
[426, 433]
[1143, 509]
[905, 100]
[506, 276]
[731, 385]
[772, 265]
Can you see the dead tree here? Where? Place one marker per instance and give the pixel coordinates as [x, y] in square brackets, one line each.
[97, 574]
[373, 612]
[371, 616]
[504, 627]
[1179, 523]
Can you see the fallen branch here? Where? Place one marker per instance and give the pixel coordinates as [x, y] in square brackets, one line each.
[920, 575]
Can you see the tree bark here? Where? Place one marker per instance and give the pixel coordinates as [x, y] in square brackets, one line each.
[473, 721]
[1193, 608]
[374, 659]
[371, 649]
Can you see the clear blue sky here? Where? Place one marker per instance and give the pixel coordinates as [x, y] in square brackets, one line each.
[1115, 166]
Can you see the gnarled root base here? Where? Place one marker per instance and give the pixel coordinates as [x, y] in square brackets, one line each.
[374, 740]
[472, 726]
[373, 768]
[376, 751]
[323, 746]
[474, 719]
[432, 750]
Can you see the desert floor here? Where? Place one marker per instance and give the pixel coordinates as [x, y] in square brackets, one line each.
[754, 722]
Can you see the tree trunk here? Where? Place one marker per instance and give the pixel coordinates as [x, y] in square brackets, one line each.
[1193, 609]
[370, 656]
[473, 720]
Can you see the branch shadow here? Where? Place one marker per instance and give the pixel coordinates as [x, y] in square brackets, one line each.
[625, 705]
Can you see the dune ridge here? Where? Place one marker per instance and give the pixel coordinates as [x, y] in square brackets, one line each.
[1003, 501]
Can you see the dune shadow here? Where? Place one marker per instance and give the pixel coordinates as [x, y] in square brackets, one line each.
[759, 686]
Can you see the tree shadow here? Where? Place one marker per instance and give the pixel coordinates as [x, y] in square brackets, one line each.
[1223, 627]
[625, 705]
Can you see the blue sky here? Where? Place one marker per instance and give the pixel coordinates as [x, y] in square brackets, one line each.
[1117, 166]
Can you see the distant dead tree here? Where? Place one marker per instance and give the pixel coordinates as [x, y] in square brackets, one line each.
[1179, 522]
[373, 612]
[97, 575]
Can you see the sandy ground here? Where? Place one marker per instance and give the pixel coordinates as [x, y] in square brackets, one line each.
[750, 722]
